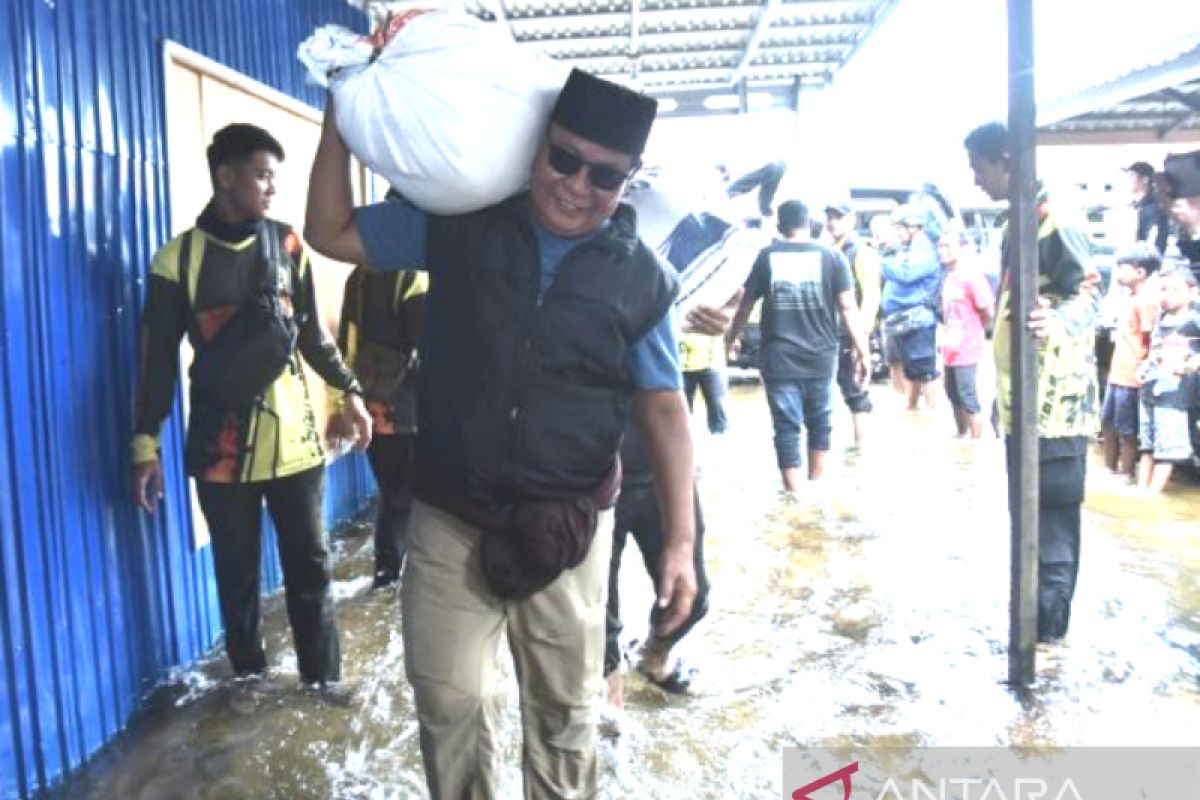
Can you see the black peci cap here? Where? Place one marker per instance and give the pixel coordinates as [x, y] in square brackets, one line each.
[1183, 174]
[606, 113]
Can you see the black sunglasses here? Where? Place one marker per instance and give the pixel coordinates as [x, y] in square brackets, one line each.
[601, 176]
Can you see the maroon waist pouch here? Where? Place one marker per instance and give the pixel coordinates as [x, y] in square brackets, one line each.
[540, 539]
[525, 544]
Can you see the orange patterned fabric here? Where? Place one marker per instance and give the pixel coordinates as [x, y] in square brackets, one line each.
[393, 24]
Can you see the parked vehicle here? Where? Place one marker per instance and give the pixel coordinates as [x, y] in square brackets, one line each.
[748, 353]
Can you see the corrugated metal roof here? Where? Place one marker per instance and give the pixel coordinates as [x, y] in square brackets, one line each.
[1156, 99]
[686, 50]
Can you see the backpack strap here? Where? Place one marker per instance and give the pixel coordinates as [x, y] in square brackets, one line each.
[270, 237]
[268, 242]
[185, 265]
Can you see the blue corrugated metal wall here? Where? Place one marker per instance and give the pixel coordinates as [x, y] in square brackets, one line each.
[98, 601]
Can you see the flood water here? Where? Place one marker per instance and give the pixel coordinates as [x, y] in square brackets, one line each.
[872, 615]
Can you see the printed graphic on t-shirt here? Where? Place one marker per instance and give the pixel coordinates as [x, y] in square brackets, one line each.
[796, 280]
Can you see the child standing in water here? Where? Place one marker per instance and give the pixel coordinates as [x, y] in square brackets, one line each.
[1131, 347]
[1166, 391]
[966, 310]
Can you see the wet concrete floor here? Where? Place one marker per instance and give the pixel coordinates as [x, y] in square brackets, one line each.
[871, 615]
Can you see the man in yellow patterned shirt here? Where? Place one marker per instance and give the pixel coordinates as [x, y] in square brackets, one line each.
[1064, 324]
[267, 449]
[379, 333]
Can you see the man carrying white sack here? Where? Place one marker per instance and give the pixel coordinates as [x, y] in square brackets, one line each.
[547, 320]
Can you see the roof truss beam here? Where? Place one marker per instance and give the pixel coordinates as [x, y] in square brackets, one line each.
[1188, 101]
[1178, 71]
[721, 99]
[683, 44]
[635, 45]
[653, 72]
[765, 18]
[1192, 101]
[881, 14]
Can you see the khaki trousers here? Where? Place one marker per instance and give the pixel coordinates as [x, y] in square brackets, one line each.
[452, 625]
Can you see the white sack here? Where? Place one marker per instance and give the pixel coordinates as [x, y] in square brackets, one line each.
[713, 276]
[664, 202]
[330, 48]
[661, 200]
[450, 112]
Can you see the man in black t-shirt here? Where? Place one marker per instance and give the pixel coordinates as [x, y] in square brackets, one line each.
[803, 286]
[266, 450]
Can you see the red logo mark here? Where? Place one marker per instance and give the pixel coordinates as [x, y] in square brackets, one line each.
[842, 774]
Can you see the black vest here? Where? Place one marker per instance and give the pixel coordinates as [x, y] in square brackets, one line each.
[520, 398]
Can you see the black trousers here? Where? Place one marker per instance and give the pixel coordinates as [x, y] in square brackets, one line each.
[637, 514]
[234, 515]
[391, 457]
[1062, 465]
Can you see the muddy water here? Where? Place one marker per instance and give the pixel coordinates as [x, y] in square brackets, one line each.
[872, 614]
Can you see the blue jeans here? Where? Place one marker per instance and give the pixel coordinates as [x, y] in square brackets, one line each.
[807, 402]
[1120, 409]
[711, 383]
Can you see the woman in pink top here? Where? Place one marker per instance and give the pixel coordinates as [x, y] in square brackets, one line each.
[966, 310]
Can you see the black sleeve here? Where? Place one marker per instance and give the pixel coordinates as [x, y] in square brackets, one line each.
[1063, 258]
[164, 321]
[1191, 329]
[839, 267]
[760, 276]
[1164, 230]
[412, 317]
[314, 342]
[349, 309]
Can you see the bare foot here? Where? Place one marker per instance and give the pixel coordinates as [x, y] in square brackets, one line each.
[652, 660]
[656, 665]
[616, 689]
[612, 715]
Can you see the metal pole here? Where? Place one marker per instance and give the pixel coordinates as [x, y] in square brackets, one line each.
[797, 87]
[1023, 274]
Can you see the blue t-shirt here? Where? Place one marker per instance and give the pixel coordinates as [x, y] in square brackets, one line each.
[393, 236]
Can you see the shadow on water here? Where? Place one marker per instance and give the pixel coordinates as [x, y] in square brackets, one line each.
[870, 616]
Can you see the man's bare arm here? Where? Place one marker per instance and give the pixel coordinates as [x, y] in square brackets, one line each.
[329, 220]
[739, 320]
[712, 321]
[663, 417]
[852, 320]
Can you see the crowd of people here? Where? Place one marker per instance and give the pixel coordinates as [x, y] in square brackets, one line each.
[523, 383]
[1150, 341]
